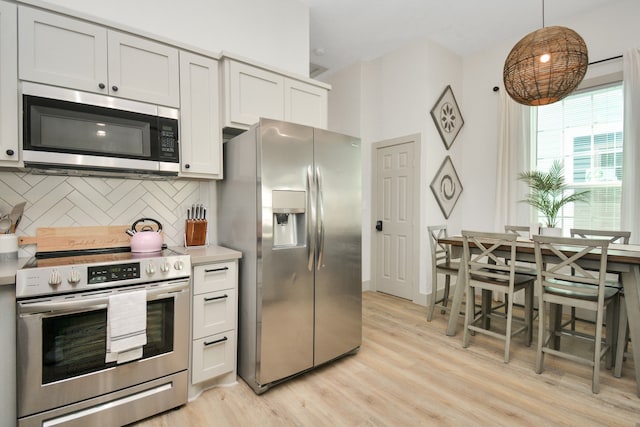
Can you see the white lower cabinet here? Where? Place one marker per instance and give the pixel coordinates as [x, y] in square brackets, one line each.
[213, 356]
[214, 323]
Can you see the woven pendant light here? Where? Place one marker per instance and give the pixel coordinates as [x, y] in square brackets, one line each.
[545, 66]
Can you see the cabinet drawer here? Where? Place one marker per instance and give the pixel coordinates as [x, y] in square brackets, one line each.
[213, 356]
[214, 277]
[214, 312]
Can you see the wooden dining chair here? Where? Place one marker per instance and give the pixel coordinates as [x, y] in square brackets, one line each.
[614, 236]
[440, 264]
[485, 256]
[564, 281]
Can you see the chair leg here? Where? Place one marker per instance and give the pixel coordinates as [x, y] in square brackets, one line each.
[445, 297]
[595, 381]
[611, 330]
[541, 337]
[507, 341]
[469, 315]
[434, 295]
[623, 337]
[528, 314]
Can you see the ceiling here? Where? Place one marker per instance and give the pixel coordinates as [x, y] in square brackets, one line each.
[343, 32]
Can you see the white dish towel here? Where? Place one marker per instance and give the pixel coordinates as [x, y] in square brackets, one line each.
[126, 326]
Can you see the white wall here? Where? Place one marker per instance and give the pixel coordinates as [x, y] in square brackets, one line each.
[398, 90]
[392, 96]
[274, 32]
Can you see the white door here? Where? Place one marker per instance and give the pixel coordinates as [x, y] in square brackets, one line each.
[394, 221]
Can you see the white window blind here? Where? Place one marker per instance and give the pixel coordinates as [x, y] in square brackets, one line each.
[585, 132]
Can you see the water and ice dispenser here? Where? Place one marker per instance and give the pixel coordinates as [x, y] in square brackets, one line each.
[288, 218]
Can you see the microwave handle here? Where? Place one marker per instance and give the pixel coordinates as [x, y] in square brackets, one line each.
[96, 303]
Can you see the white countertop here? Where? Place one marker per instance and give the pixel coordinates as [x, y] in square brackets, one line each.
[207, 254]
[8, 268]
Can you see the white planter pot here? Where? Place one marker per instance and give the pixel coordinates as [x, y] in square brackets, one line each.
[551, 231]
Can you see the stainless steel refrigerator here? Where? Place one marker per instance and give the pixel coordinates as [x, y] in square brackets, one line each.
[291, 202]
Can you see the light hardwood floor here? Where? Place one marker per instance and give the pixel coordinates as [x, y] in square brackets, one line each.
[409, 373]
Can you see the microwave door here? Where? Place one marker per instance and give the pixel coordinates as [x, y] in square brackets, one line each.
[62, 133]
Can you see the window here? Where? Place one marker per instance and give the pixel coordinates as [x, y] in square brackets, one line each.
[585, 132]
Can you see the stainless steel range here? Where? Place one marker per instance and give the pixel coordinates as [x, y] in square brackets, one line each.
[68, 309]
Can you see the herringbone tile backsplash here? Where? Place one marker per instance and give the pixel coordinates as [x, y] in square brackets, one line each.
[61, 201]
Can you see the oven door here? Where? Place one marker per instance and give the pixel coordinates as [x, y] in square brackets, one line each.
[62, 345]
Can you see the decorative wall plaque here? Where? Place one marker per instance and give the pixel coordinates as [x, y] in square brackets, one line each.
[447, 117]
[446, 187]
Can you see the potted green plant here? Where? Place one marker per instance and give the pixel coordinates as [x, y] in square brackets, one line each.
[548, 192]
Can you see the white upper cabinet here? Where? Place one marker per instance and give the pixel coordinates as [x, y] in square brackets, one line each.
[200, 134]
[305, 103]
[63, 51]
[8, 85]
[251, 93]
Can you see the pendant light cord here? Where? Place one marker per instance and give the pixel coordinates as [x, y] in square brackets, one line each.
[542, 13]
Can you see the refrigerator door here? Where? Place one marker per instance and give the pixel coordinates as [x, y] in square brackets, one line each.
[285, 287]
[338, 286]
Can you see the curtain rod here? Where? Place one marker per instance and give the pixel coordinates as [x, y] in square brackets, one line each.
[605, 60]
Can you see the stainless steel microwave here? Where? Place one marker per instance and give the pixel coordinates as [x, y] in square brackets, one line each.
[80, 132]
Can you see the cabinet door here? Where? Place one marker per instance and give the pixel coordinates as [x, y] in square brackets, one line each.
[143, 70]
[214, 312]
[213, 356]
[8, 85]
[62, 51]
[305, 103]
[200, 135]
[251, 93]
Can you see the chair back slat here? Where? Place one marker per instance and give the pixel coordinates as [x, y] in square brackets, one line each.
[520, 230]
[439, 252]
[559, 262]
[485, 254]
[614, 236]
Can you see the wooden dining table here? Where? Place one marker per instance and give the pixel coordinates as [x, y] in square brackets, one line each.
[621, 259]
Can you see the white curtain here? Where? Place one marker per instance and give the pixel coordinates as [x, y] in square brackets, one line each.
[630, 210]
[514, 154]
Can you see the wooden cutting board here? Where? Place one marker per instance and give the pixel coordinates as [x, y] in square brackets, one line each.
[50, 239]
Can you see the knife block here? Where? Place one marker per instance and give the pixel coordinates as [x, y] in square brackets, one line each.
[195, 231]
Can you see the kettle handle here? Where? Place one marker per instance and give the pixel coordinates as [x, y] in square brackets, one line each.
[133, 227]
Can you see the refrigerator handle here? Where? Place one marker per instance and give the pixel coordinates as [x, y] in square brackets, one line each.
[311, 247]
[320, 222]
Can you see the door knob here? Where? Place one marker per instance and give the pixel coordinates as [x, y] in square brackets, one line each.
[379, 225]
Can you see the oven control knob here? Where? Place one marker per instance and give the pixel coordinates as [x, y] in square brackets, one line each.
[165, 267]
[178, 265]
[55, 279]
[151, 269]
[74, 277]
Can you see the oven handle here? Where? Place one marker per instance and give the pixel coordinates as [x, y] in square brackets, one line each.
[153, 293]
